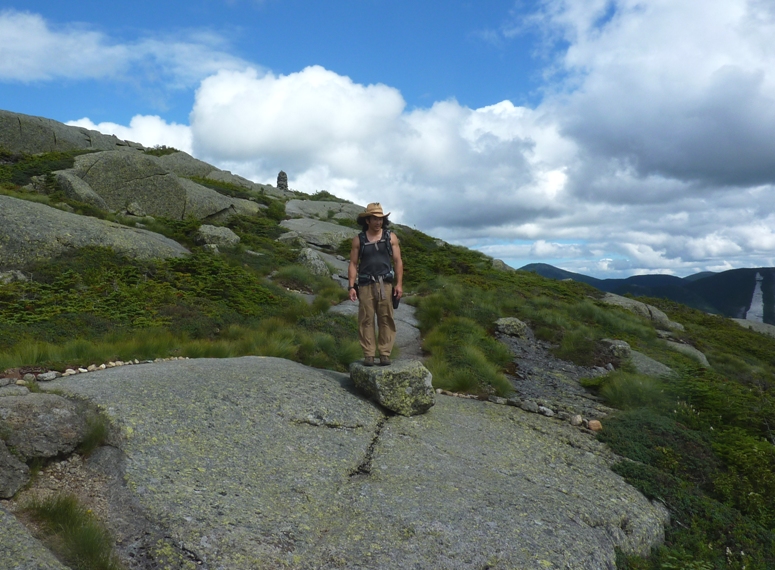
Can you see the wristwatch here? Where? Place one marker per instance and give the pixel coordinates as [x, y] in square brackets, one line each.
[351, 287]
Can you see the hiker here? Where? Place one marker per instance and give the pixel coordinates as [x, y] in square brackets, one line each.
[376, 282]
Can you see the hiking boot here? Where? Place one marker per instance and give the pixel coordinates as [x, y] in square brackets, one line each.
[384, 361]
[368, 361]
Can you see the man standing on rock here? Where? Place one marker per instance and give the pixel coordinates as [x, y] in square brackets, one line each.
[375, 276]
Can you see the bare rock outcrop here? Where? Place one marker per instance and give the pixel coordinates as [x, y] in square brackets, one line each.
[659, 318]
[512, 326]
[762, 328]
[128, 182]
[690, 351]
[13, 473]
[313, 261]
[77, 189]
[263, 463]
[322, 209]
[42, 425]
[28, 134]
[228, 177]
[32, 232]
[646, 365]
[183, 164]
[217, 235]
[321, 234]
[120, 178]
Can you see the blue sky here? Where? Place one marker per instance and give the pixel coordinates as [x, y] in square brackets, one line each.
[430, 51]
[609, 137]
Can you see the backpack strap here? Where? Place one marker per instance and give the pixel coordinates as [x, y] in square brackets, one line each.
[385, 237]
[362, 237]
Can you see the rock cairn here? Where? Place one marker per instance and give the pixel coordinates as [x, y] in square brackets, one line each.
[282, 181]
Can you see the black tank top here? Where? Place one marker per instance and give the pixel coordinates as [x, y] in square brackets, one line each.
[375, 257]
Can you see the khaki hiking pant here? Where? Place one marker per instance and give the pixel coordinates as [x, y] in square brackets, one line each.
[371, 304]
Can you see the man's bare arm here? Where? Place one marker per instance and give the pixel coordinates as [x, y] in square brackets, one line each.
[352, 268]
[398, 266]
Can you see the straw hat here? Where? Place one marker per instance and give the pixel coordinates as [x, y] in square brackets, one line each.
[373, 209]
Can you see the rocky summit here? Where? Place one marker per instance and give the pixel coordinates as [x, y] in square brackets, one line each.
[254, 462]
[264, 463]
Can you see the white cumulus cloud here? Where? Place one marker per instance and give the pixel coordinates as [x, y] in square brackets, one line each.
[446, 166]
[31, 49]
[652, 149]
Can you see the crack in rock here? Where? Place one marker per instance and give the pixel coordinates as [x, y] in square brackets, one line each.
[364, 468]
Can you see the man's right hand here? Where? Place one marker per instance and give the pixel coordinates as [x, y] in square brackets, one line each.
[353, 295]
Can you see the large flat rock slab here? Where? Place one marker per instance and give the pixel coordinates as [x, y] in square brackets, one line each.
[322, 209]
[658, 317]
[762, 328]
[318, 233]
[26, 133]
[32, 232]
[473, 485]
[264, 463]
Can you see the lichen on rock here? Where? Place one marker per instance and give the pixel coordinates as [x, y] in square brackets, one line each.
[405, 387]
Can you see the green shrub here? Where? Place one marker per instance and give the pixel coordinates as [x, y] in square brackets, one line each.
[276, 211]
[646, 436]
[326, 196]
[748, 484]
[702, 530]
[19, 168]
[297, 278]
[718, 485]
[160, 150]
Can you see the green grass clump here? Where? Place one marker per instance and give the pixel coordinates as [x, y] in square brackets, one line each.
[465, 359]
[74, 533]
[629, 391]
[97, 431]
[297, 278]
[303, 334]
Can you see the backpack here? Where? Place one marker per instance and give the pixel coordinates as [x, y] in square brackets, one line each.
[389, 248]
[385, 237]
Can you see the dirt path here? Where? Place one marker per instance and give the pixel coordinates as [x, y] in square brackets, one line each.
[407, 334]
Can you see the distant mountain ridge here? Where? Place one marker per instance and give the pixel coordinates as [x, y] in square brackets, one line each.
[728, 293]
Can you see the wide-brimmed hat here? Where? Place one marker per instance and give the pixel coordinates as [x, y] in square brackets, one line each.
[373, 209]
